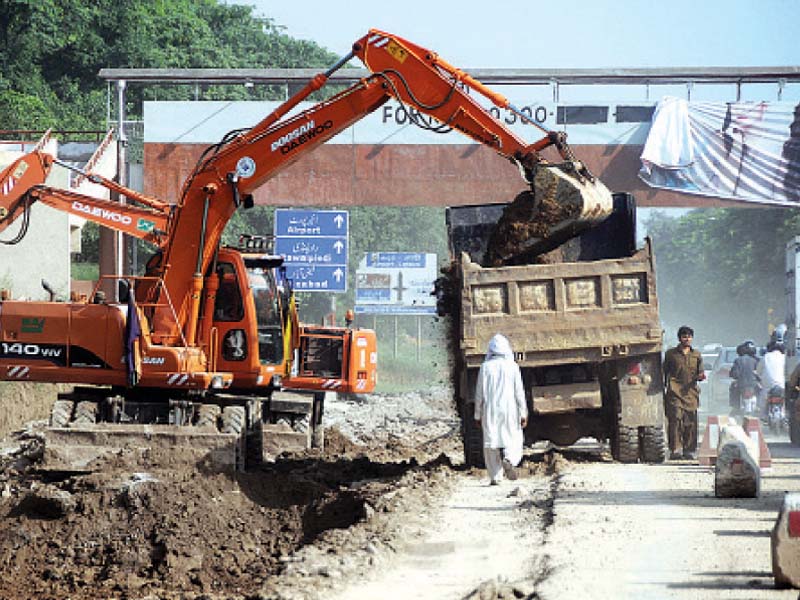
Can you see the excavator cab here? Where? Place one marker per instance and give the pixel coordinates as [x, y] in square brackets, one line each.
[270, 312]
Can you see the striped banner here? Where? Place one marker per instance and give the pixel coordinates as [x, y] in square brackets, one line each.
[737, 150]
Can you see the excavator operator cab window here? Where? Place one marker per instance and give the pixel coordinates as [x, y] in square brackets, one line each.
[228, 305]
[268, 315]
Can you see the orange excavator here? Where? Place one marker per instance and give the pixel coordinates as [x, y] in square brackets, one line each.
[207, 341]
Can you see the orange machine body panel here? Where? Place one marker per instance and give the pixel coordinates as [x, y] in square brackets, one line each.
[77, 342]
[336, 359]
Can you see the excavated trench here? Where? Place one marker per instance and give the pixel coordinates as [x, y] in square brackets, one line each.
[126, 531]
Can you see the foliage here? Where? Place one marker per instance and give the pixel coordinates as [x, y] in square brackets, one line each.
[90, 243]
[722, 271]
[412, 367]
[52, 50]
[85, 271]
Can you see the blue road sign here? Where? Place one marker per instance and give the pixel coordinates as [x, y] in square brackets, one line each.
[317, 250]
[314, 223]
[388, 309]
[314, 245]
[395, 260]
[317, 278]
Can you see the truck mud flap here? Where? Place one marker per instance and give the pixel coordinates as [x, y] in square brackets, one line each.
[566, 398]
[473, 438]
[640, 408]
[82, 449]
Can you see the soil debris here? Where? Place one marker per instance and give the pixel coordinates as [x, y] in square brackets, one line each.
[137, 530]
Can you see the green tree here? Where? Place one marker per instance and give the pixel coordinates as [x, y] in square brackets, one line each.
[51, 52]
[723, 270]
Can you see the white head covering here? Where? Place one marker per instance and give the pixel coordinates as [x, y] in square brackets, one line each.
[499, 347]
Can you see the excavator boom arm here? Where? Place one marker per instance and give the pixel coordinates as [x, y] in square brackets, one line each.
[143, 223]
[21, 185]
[232, 170]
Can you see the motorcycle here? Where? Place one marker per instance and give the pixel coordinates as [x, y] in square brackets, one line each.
[748, 400]
[776, 413]
[744, 400]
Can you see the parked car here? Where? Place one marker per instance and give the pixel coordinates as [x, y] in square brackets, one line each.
[719, 379]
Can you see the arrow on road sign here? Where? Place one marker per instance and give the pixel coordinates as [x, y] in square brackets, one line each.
[339, 219]
[338, 246]
[338, 274]
[399, 288]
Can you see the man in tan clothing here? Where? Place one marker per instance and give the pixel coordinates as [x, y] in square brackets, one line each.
[683, 368]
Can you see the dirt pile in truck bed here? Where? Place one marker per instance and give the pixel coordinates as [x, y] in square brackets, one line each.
[130, 531]
[529, 217]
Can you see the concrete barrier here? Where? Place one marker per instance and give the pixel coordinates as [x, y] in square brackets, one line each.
[736, 471]
[786, 543]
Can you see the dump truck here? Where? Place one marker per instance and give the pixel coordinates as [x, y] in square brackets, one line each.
[581, 313]
[197, 351]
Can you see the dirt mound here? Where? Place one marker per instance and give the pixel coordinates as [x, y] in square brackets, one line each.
[24, 402]
[134, 530]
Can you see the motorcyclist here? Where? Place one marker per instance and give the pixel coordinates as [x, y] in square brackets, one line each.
[771, 372]
[743, 373]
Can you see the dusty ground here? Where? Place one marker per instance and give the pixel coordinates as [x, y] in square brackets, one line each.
[663, 533]
[386, 511]
[289, 529]
[24, 402]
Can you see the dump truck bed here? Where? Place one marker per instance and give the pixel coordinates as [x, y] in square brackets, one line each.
[565, 312]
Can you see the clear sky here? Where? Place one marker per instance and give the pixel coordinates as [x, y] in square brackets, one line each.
[575, 34]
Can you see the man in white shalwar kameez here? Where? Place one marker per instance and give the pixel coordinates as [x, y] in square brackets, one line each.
[500, 409]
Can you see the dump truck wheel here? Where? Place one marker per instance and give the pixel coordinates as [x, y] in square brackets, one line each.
[208, 415]
[654, 448]
[473, 439]
[625, 448]
[61, 413]
[233, 418]
[85, 413]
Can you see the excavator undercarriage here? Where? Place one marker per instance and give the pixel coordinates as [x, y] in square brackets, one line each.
[222, 432]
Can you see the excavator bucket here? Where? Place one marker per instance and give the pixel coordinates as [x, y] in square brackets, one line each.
[558, 207]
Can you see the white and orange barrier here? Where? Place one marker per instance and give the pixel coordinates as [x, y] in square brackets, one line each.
[707, 454]
[752, 426]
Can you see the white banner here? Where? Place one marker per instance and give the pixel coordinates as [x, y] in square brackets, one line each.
[737, 150]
